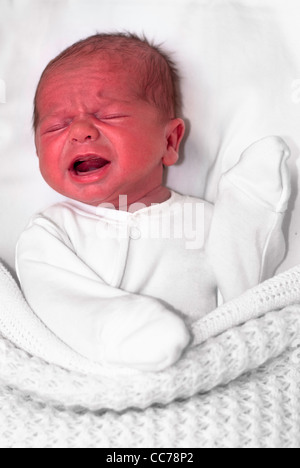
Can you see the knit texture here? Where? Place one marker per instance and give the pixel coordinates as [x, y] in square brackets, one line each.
[237, 386]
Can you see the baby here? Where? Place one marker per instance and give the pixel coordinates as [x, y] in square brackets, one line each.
[121, 269]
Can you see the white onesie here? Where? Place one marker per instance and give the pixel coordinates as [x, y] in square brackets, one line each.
[95, 275]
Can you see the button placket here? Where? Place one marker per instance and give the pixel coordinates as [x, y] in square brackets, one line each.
[135, 233]
[134, 229]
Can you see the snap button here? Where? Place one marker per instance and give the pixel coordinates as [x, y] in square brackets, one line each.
[135, 233]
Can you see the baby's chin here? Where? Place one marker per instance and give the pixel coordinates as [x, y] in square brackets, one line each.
[96, 196]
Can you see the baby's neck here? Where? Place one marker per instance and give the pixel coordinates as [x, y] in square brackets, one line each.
[158, 195]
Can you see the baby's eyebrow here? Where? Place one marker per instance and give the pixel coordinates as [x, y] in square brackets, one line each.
[51, 115]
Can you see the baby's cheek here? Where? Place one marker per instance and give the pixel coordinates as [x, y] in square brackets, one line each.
[49, 168]
[46, 172]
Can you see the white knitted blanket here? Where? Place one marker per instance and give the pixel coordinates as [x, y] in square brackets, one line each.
[237, 386]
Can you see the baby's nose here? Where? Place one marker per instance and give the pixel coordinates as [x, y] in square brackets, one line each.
[83, 131]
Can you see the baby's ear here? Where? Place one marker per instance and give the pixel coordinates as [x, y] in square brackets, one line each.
[174, 133]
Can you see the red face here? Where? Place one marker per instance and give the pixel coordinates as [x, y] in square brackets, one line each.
[96, 139]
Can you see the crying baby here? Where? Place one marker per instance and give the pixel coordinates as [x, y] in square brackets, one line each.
[113, 270]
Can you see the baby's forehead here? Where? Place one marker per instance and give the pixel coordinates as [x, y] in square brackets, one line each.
[78, 70]
[101, 78]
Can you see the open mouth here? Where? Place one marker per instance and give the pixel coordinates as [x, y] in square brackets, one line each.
[88, 164]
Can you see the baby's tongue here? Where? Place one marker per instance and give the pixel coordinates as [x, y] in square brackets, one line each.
[90, 165]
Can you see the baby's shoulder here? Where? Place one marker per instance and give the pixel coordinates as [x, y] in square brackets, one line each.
[55, 218]
[46, 224]
[53, 212]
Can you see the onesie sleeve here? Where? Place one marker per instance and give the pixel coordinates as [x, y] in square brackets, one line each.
[246, 242]
[60, 288]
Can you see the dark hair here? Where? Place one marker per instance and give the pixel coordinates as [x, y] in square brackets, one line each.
[158, 76]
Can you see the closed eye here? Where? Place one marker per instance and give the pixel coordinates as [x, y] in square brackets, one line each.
[113, 117]
[54, 129]
[51, 125]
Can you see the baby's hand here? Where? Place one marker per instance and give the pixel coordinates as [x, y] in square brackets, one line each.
[142, 334]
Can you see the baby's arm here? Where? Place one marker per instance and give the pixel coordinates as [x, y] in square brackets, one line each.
[246, 242]
[100, 322]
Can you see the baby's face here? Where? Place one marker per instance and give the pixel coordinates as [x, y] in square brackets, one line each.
[96, 139]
